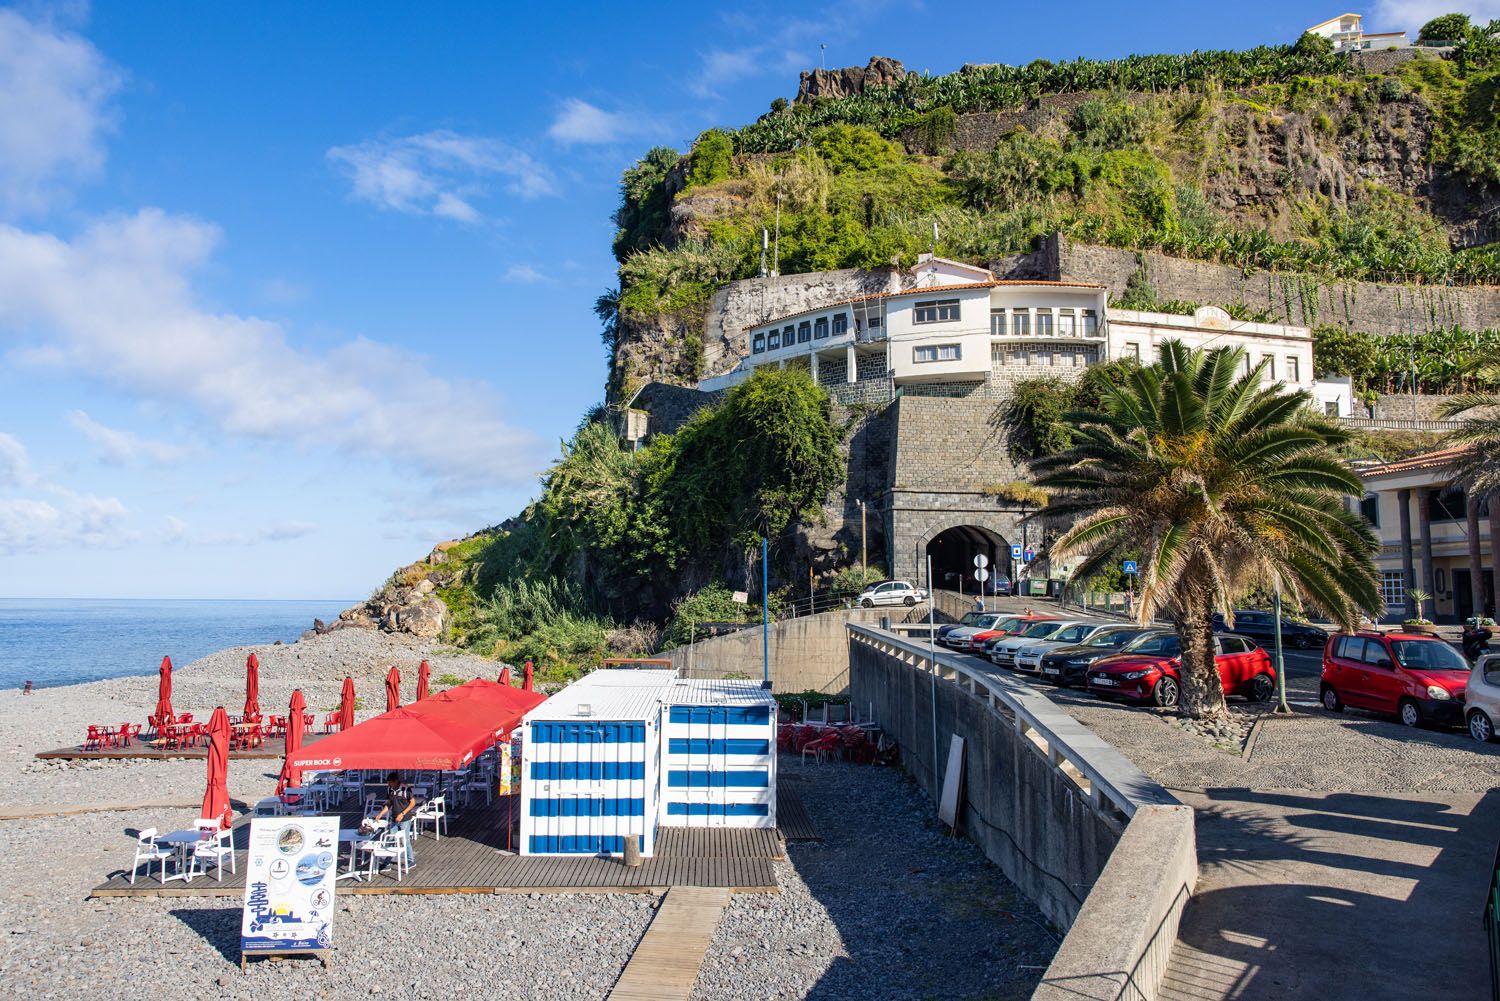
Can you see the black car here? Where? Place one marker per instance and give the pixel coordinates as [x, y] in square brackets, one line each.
[1261, 627]
[1067, 665]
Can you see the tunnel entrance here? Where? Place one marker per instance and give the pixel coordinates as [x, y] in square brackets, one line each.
[953, 551]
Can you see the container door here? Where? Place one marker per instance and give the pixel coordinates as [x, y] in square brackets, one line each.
[717, 765]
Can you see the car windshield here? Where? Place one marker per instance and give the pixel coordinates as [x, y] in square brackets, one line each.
[1007, 625]
[1158, 644]
[1039, 629]
[1113, 638]
[1073, 634]
[1428, 655]
[971, 618]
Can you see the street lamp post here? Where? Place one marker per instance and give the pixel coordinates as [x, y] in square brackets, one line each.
[1281, 706]
[864, 547]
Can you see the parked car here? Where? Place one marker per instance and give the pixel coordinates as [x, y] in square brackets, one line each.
[958, 638]
[1149, 670]
[1482, 697]
[982, 643]
[1421, 679]
[1261, 627]
[969, 619]
[1067, 665]
[1029, 657]
[891, 592]
[1003, 653]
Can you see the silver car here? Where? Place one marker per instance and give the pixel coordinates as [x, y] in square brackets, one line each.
[958, 638]
[1004, 652]
[1482, 697]
[1029, 657]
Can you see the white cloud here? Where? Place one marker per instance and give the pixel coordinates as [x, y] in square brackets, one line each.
[180, 533]
[15, 464]
[1410, 15]
[726, 65]
[54, 94]
[438, 173]
[116, 303]
[578, 121]
[37, 515]
[121, 447]
[524, 274]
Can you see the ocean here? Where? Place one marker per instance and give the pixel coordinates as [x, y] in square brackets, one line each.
[66, 641]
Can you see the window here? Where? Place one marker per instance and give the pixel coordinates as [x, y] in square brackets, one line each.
[1350, 648]
[936, 311]
[1331, 408]
[760, 342]
[873, 322]
[1065, 326]
[1090, 323]
[1294, 370]
[1369, 506]
[774, 341]
[820, 327]
[1375, 653]
[936, 352]
[1021, 323]
[1447, 504]
[1044, 323]
[788, 336]
[1234, 644]
[1268, 373]
[997, 322]
[840, 323]
[1393, 588]
[1080, 360]
[804, 331]
[1132, 351]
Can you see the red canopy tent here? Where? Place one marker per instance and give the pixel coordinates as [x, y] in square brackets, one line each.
[346, 705]
[291, 774]
[392, 689]
[423, 674]
[505, 676]
[164, 691]
[406, 737]
[493, 694]
[216, 796]
[252, 686]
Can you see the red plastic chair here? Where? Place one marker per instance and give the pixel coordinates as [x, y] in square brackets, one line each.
[784, 734]
[184, 718]
[95, 739]
[330, 722]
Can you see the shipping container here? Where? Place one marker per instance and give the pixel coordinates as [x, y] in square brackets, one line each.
[719, 754]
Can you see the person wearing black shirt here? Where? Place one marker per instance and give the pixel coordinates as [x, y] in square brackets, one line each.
[400, 806]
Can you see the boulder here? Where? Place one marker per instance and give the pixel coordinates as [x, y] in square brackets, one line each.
[425, 618]
[850, 80]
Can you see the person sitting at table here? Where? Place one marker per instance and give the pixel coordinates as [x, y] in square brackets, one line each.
[400, 806]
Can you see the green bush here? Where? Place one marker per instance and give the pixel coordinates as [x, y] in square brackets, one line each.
[853, 147]
[857, 578]
[1444, 28]
[711, 158]
[714, 603]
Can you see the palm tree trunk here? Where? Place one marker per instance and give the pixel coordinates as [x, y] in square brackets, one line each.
[1202, 694]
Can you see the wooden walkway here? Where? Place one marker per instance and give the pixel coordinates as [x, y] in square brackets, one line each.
[792, 818]
[470, 859]
[272, 748]
[665, 964]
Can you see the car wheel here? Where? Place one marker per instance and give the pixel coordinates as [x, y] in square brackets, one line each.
[1331, 700]
[1481, 727]
[1410, 713]
[866, 603]
[1262, 687]
[909, 601]
[1165, 693]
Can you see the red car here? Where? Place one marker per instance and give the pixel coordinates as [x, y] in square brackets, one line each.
[980, 641]
[1146, 670]
[1419, 678]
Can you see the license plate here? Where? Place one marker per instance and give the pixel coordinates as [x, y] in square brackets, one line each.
[1052, 670]
[1107, 682]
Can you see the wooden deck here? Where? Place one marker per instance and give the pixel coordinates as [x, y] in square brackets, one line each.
[792, 818]
[274, 748]
[665, 964]
[470, 859]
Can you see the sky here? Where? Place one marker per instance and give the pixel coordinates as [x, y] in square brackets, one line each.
[290, 292]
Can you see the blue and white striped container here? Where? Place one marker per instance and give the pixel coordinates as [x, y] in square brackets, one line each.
[593, 763]
[719, 754]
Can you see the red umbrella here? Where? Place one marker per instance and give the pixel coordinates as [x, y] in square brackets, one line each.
[505, 675]
[423, 672]
[252, 686]
[292, 776]
[526, 680]
[164, 691]
[216, 797]
[392, 690]
[346, 705]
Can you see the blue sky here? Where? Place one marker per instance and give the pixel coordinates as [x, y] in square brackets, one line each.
[290, 292]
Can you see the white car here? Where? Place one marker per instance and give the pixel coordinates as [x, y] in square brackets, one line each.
[1029, 657]
[982, 622]
[891, 592]
[1004, 652]
[1482, 697]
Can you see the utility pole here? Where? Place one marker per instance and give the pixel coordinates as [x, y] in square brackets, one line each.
[1411, 333]
[937, 788]
[1281, 706]
[765, 613]
[864, 547]
[776, 247]
[823, 56]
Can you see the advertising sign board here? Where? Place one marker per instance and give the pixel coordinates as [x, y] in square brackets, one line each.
[289, 881]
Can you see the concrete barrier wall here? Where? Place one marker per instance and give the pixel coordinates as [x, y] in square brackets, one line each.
[1101, 848]
[808, 654]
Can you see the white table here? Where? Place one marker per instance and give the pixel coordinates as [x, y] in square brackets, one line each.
[352, 836]
[181, 842]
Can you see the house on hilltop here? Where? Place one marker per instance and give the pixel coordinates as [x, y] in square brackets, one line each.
[1347, 34]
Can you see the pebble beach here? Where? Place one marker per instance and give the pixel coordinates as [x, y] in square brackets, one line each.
[887, 906]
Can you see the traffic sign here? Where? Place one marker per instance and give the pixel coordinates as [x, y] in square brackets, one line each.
[1015, 552]
[981, 575]
[981, 561]
[1030, 555]
[1128, 566]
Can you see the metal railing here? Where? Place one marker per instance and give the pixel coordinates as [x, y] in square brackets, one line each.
[1401, 423]
[819, 601]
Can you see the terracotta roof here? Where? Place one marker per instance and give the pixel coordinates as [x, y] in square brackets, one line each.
[1427, 460]
[924, 291]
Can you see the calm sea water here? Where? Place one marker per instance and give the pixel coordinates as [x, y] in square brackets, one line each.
[63, 642]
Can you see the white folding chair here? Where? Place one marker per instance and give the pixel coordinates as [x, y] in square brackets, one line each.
[433, 812]
[148, 851]
[213, 846]
[390, 845]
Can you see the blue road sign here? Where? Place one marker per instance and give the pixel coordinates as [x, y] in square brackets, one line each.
[1015, 552]
[1128, 566]
[1030, 555]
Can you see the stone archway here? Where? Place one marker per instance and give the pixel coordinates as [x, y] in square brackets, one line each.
[952, 553]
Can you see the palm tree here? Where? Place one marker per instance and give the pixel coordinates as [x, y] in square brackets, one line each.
[1220, 484]
[1477, 469]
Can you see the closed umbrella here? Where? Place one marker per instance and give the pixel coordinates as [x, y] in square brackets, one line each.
[423, 673]
[505, 675]
[346, 705]
[164, 691]
[392, 690]
[252, 687]
[526, 679]
[291, 776]
[216, 797]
